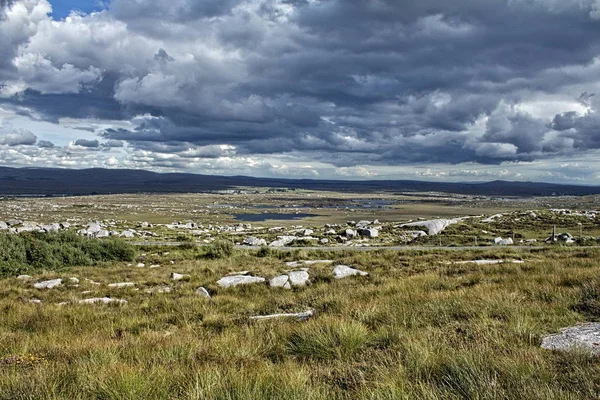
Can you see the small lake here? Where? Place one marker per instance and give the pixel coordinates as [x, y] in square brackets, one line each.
[271, 216]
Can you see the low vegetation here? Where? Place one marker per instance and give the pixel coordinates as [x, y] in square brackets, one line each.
[35, 253]
[418, 327]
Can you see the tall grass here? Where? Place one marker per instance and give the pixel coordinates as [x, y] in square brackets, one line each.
[415, 328]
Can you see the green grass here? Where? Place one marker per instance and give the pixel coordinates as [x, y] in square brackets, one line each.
[418, 327]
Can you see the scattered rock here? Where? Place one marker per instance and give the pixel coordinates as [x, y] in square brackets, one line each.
[298, 278]
[141, 265]
[160, 289]
[48, 284]
[121, 285]
[236, 280]
[303, 316]
[73, 280]
[370, 232]
[344, 271]
[104, 300]
[201, 291]
[283, 241]
[23, 277]
[254, 241]
[585, 337]
[434, 226]
[282, 281]
[178, 277]
[503, 242]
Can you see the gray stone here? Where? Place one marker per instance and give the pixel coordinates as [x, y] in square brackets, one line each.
[121, 285]
[344, 271]
[434, 226]
[350, 233]
[236, 280]
[3, 226]
[178, 277]
[503, 242]
[103, 300]
[283, 241]
[298, 278]
[201, 291]
[23, 277]
[48, 284]
[73, 280]
[13, 222]
[370, 233]
[585, 337]
[254, 241]
[282, 281]
[303, 316]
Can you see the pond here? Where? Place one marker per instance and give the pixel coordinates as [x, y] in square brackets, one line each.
[271, 216]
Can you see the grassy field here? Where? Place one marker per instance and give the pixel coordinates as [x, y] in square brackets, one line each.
[417, 327]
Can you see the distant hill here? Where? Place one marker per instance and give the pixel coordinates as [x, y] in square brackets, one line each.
[53, 181]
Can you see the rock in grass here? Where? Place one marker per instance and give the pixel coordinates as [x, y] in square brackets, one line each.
[585, 337]
[294, 278]
[178, 277]
[48, 284]
[74, 280]
[254, 241]
[433, 226]
[344, 271]
[282, 281]
[237, 280]
[104, 300]
[203, 292]
[121, 285]
[298, 278]
[303, 316]
[23, 277]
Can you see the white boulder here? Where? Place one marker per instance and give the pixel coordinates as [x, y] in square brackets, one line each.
[344, 271]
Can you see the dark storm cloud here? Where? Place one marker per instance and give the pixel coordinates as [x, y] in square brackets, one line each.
[346, 82]
[87, 143]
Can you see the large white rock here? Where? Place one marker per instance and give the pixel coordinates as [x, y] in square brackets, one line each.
[254, 241]
[298, 278]
[583, 337]
[103, 300]
[503, 242]
[344, 271]
[283, 241]
[3, 226]
[48, 284]
[282, 281]
[236, 280]
[433, 226]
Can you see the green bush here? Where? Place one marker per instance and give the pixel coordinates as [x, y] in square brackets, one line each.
[219, 249]
[32, 252]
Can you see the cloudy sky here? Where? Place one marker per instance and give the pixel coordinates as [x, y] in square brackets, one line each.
[461, 90]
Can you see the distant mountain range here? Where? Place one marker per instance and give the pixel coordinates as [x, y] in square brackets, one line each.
[55, 182]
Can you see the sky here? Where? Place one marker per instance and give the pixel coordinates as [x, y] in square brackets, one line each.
[462, 90]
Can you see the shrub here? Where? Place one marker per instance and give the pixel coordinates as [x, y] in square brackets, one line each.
[32, 252]
[219, 249]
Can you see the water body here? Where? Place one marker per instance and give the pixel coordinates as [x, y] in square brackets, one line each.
[271, 216]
